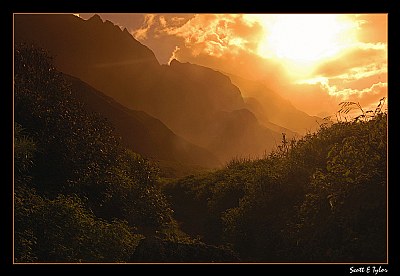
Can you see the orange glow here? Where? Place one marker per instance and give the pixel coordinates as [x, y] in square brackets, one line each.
[301, 41]
[314, 60]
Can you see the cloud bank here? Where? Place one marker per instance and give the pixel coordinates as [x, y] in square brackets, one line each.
[231, 42]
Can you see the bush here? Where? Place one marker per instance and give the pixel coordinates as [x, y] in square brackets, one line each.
[321, 198]
[79, 195]
[62, 230]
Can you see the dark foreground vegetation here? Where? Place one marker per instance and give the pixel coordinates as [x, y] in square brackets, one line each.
[82, 197]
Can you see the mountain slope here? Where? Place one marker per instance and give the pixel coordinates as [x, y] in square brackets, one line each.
[275, 109]
[141, 132]
[195, 95]
[258, 109]
[239, 134]
[188, 98]
[98, 52]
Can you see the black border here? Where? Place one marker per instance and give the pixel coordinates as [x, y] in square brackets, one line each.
[197, 6]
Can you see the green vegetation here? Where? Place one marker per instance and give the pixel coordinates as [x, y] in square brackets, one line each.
[79, 196]
[321, 198]
[82, 197]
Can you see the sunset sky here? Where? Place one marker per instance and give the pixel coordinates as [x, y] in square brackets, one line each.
[315, 61]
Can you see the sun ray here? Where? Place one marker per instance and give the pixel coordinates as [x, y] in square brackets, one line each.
[301, 41]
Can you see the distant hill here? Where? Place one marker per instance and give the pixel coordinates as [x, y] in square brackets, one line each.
[141, 132]
[258, 109]
[222, 122]
[239, 134]
[197, 103]
[270, 107]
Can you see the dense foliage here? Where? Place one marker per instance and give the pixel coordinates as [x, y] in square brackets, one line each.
[79, 195]
[321, 198]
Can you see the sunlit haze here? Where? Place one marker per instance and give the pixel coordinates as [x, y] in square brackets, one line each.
[313, 60]
[200, 138]
[302, 41]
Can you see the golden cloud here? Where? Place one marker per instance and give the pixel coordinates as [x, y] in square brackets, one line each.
[229, 43]
[373, 28]
[241, 63]
[359, 74]
[216, 34]
[358, 56]
[141, 33]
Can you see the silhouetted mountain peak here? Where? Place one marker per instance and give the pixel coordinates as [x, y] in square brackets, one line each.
[96, 22]
[95, 19]
[216, 88]
[126, 32]
[270, 107]
[198, 103]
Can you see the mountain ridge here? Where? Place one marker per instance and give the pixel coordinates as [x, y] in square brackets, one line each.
[191, 100]
[141, 132]
[277, 110]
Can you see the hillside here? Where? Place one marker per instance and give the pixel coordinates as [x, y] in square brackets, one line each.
[82, 193]
[189, 99]
[272, 108]
[141, 132]
[259, 111]
[79, 195]
[322, 198]
[238, 134]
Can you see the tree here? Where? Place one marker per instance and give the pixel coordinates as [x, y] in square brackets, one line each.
[79, 195]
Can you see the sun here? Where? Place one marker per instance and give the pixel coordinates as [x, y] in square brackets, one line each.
[304, 40]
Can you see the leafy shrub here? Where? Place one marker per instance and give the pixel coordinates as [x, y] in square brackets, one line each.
[320, 198]
[79, 195]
